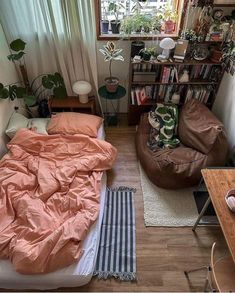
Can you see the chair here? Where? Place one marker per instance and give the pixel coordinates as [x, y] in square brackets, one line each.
[220, 273]
[203, 144]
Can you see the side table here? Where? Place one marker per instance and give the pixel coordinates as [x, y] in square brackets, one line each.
[120, 93]
[71, 103]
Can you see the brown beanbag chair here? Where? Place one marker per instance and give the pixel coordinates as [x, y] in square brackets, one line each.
[203, 144]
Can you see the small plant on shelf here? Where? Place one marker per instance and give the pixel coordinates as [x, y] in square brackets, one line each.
[146, 53]
[111, 53]
[170, 17]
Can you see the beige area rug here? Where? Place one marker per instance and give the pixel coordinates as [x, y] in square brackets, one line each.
[162, 207]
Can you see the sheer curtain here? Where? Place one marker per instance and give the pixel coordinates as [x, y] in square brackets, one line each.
[60, 36]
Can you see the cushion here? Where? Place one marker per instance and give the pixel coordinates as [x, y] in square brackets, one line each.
[74, 123]
[16, 122]
[40, 124]
[198, 127]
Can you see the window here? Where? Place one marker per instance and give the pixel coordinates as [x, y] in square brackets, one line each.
[138, 18]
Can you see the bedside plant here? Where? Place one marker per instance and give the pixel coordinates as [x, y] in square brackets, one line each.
[111, 54]
[33, 93]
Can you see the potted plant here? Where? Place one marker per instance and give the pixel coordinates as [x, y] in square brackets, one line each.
[115, 9]
[146, 53]
[170, 16]
[111, 54]
[32, 93]
[105, 23]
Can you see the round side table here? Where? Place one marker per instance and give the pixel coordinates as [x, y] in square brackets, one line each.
[111, 118]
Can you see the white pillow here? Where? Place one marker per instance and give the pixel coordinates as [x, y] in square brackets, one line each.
[16, 122]
[40, 124]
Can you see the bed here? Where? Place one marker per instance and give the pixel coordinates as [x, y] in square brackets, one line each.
[75, 275]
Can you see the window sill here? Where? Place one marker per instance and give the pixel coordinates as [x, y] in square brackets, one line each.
[110, 36]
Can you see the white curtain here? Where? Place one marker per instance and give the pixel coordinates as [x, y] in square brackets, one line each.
[60, 36]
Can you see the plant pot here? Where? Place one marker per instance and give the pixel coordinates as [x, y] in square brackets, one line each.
[216, 55]
[111, 84]
[169, 26]
[104, 26]
[146, 56]
[136, 46]
[115, 26]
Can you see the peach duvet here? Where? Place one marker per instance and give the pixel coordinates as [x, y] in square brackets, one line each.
[49, 198]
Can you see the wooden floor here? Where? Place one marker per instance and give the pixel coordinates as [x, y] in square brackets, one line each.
[162, 253]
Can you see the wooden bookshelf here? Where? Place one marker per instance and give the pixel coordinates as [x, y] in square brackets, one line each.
[205, 77]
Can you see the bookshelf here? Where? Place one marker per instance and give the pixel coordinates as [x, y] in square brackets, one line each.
[154, 81]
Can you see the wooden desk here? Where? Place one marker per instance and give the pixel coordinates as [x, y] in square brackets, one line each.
[71, 103]
[218, 183]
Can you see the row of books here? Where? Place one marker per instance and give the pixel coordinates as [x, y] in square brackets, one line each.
[164, 93]
[201, 93]
[169, 74]
[206, 71]
[172, 73]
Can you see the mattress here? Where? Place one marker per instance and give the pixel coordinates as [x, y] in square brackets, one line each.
[75, 275]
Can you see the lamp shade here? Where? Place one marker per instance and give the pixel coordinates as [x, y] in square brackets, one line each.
[167, 43]
[82, 88]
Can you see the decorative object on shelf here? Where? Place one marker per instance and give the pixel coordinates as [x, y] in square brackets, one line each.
[203, 23]
[189, 35]
[200, 52]
[180, 50]
[216, 55]
[136, 47]
[175, 99]
[82, 88]
[185, 76]
[146, 53]
[115, 8]
[166, 44]
[33, 93]
[111, 53]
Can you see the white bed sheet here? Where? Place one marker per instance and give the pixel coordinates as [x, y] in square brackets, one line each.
[74, 275]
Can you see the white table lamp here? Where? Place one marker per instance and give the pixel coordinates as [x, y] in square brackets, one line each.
[82, 89]
[166, 44]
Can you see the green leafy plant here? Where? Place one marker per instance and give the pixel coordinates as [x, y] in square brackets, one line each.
[111, 53]
[115, 8]
[33, 92]
[169, 14]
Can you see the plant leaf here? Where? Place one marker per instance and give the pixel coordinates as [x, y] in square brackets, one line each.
[17, 56]
[4, 93]
[17, 45]
[47, 82]
[60, 92]
[20, 92]
[1, 86]
[29, 100]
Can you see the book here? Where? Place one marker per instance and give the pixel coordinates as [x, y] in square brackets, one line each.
[142, 96]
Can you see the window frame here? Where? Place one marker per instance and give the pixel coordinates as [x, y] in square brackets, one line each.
[180, 23]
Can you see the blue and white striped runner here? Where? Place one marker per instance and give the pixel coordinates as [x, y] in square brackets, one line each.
[117, 250]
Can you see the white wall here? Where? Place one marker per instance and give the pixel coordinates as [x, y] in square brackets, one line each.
[224, 106]
[8, 75]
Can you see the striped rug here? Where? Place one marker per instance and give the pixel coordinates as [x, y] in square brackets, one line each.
[117, 250]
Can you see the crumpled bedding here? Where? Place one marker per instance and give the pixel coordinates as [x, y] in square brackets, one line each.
[49, 198]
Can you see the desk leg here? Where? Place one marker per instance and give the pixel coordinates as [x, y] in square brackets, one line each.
[201, 213]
